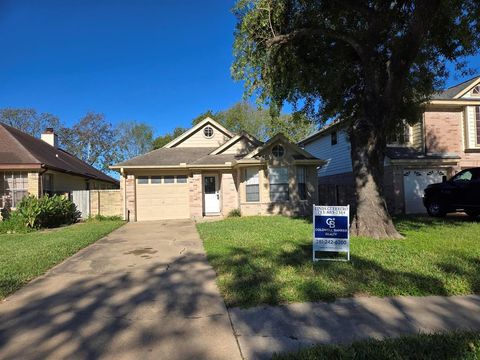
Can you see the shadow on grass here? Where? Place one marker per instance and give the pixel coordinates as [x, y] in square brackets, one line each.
[420, 222]
[258, 276]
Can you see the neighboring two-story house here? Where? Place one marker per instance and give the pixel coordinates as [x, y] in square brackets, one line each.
[446, 140]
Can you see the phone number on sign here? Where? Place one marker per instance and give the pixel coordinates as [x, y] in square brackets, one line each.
[330, 242]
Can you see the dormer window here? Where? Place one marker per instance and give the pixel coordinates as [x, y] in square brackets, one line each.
[208, 132]
[476, 90]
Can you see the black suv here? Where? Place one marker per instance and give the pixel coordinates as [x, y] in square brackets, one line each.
[460, 193]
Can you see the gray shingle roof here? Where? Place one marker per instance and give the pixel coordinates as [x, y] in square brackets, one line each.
[168, 156]
[454, 90]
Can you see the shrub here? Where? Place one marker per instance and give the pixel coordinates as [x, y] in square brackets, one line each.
[47, 211]
[234, 213]
[14, 224]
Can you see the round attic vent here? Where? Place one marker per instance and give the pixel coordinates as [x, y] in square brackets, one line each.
[208, 131]
[278, 151]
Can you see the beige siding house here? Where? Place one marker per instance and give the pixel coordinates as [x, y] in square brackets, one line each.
[31, 166]
[209, 171]
[445, 141]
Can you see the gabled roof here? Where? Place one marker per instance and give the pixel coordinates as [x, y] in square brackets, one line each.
[168, 157]
[335, 124]
[196, 128]
[456, 91]
[280, 137]
[234, 140]
[20, 149]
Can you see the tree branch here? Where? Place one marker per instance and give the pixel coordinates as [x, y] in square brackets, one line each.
[280, 40]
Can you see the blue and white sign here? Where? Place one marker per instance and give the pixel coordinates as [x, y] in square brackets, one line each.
[331, 230]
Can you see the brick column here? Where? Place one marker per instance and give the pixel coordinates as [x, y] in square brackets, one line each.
[130, 195]
[195, 195]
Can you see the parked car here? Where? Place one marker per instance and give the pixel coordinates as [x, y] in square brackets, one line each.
[460, 193]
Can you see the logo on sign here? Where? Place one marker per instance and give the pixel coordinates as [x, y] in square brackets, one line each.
[330, 222]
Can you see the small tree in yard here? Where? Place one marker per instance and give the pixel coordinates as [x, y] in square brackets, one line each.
[371, 63]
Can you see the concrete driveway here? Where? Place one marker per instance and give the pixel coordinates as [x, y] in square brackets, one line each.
[145, 291]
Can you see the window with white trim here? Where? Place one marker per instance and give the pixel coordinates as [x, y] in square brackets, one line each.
[13, 188]
[156, 179]
[476, 90]
[181, 179]
[252, 189]
[278, 179]
[301, 182]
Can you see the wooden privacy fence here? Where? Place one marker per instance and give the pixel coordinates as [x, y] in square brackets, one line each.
[98, 202]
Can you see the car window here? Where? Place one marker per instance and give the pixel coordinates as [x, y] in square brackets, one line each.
[466, 175]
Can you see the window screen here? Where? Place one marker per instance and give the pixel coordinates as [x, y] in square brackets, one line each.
[252, 187]
[278, 178]
[301, 182]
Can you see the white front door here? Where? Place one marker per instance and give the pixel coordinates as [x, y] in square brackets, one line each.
[211, 194]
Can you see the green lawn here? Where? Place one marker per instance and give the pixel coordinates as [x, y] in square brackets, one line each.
[268, 260]
[457, 345]
[23, 257]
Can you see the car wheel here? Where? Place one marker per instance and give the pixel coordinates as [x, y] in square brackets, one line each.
[473, 213]
[435, 208]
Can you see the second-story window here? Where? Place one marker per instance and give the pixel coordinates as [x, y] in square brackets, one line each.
[333, 138]
[401, 135]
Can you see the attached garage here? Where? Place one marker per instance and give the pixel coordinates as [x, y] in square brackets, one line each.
[162, 197]
[414, 182]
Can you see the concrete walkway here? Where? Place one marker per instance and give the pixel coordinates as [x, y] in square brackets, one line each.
[263, 330]
[144, 292]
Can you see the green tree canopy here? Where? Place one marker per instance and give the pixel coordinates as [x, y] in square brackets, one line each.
[29, 120]
[374, 64]
[133, 139]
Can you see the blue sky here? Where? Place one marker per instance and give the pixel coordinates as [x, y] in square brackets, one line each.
[157, 61]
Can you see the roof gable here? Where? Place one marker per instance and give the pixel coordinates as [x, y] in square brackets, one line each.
[280, 138]
[457, 91]
[194, 137]
[241, 144]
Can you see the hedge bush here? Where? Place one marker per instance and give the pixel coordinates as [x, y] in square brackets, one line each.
[47, 211]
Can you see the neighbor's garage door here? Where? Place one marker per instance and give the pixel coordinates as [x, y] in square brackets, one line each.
[162, 197]
[415, 181]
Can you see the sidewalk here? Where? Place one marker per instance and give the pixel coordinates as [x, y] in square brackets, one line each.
[263, 330]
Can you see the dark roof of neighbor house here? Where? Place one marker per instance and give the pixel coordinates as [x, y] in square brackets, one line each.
[18, 148]
[408, 153]
[450, 92]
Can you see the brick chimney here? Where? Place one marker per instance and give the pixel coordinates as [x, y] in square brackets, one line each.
[50, 137]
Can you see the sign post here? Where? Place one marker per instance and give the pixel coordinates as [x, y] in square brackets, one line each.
[331, 230]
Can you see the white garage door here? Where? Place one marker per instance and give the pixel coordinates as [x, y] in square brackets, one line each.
[162, 197]
[415, 181]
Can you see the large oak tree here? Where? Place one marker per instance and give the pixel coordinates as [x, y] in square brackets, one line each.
[372, 64]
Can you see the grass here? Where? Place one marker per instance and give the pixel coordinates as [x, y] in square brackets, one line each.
[268, 260]
[456, 345]
[23, 257]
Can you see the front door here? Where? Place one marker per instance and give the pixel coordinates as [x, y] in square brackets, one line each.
[211, 194]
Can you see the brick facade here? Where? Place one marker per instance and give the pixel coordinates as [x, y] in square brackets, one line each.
[195, 195]
[105, 202]
[33, 184]
[229, 191]
[130, 203]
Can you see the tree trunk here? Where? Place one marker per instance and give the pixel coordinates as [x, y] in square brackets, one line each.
[370, 217]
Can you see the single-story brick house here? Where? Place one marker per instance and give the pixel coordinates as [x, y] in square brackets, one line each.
[31, 166]
[210, 171]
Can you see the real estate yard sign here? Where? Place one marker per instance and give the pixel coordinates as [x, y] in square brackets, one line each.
[331, 230]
